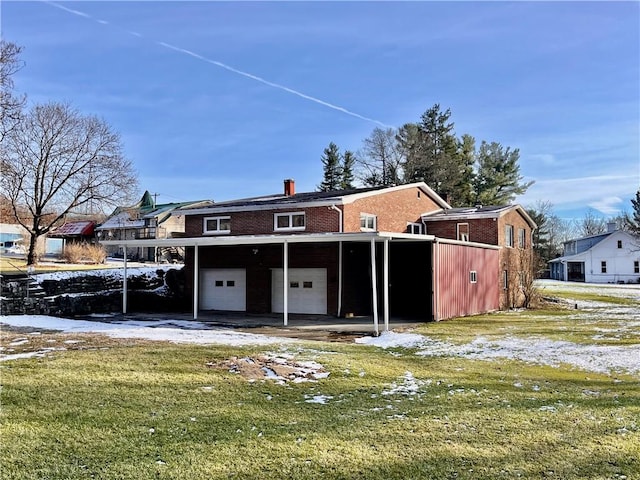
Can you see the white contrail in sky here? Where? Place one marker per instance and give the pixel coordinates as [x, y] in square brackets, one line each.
[229, 68]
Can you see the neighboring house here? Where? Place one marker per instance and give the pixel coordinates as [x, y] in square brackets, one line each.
[612, 257]
[360, 252]
[509, 227]
[12, 238]
[146, 220]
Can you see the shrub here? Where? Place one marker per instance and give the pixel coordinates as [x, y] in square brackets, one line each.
[84, 252]
[72, 253]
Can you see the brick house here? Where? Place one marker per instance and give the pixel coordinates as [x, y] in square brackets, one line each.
[509, 227]
[360, 252]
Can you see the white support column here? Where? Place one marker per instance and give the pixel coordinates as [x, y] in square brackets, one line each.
[196, 281]
[374, 288]
[385, 291]
[285, 281]
[339, 278]
[124, 282]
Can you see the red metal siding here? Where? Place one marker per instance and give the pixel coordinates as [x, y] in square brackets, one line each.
[456, 296]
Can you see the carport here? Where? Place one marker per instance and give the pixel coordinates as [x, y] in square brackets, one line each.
[375, 245]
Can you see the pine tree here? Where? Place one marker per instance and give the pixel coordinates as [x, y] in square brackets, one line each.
[348, 162]
[498, 179]
[332, 169]
[633, 220]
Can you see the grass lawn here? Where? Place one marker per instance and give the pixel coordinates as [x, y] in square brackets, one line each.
[131, 409]
[13, 265]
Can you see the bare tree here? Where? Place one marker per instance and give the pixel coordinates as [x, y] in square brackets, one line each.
[56, 160]
[379, 160]
[592, 224]
[10, 105]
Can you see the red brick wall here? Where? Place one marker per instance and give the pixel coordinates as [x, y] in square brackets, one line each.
[481, 230]
[393, 209]
[260, 222]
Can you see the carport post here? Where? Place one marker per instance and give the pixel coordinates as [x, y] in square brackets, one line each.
[124, 282]
[196, 278]
[339, 278]
[385, 292]
[285, 282]
[374, 288]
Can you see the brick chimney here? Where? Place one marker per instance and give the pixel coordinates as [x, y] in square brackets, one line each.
[289, 187]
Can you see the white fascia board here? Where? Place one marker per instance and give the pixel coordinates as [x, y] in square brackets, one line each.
[469, 244]
[269, 239]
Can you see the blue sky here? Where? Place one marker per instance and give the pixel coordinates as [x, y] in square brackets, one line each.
[180, 82]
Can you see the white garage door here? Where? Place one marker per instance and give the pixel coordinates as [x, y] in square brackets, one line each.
[307, 290]
[223, 289]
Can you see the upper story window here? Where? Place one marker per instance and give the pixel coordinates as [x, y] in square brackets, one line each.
[603, 267]
[415, 228]
[217, 225]
[462, 232]
[522, 238]
[508, 235]
[368, 222]
[289, 221]
[619, 243]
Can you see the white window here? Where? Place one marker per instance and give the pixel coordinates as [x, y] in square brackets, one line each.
[289, 221]
[522, 239]
[415, 228]
[463, 232]
[473, 276]
[368, 222]
[217, 225]
[508, 235]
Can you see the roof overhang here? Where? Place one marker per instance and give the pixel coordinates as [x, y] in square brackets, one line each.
[442, 215]
[271, 239]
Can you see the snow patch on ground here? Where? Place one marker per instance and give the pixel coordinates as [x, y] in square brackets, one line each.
[595, 358]
[177, 331]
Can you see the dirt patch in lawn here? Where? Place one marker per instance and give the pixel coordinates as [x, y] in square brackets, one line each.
[278, 368]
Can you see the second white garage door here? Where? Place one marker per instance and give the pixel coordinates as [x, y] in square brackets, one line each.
[223, 289]
[307, 290]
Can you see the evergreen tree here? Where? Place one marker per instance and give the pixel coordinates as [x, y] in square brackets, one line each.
[435, 156]
[633, 220]
[332, 169]
[348, 162]
[498, 179]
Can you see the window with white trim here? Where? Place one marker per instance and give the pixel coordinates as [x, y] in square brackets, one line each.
[368, 222]
[522, 238]
[462, 232]
[508, 235]
[603, 267]
[415, 228]
[473, 276]
[636, 266]
[289, 221]
[217, 225]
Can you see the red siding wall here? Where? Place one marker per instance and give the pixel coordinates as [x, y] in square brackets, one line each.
[481, 230]
[455, 295]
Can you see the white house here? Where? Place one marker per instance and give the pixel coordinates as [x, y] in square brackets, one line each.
[612, 257]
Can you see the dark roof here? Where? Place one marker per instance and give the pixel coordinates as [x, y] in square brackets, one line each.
[74, 229]
[295, 198]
